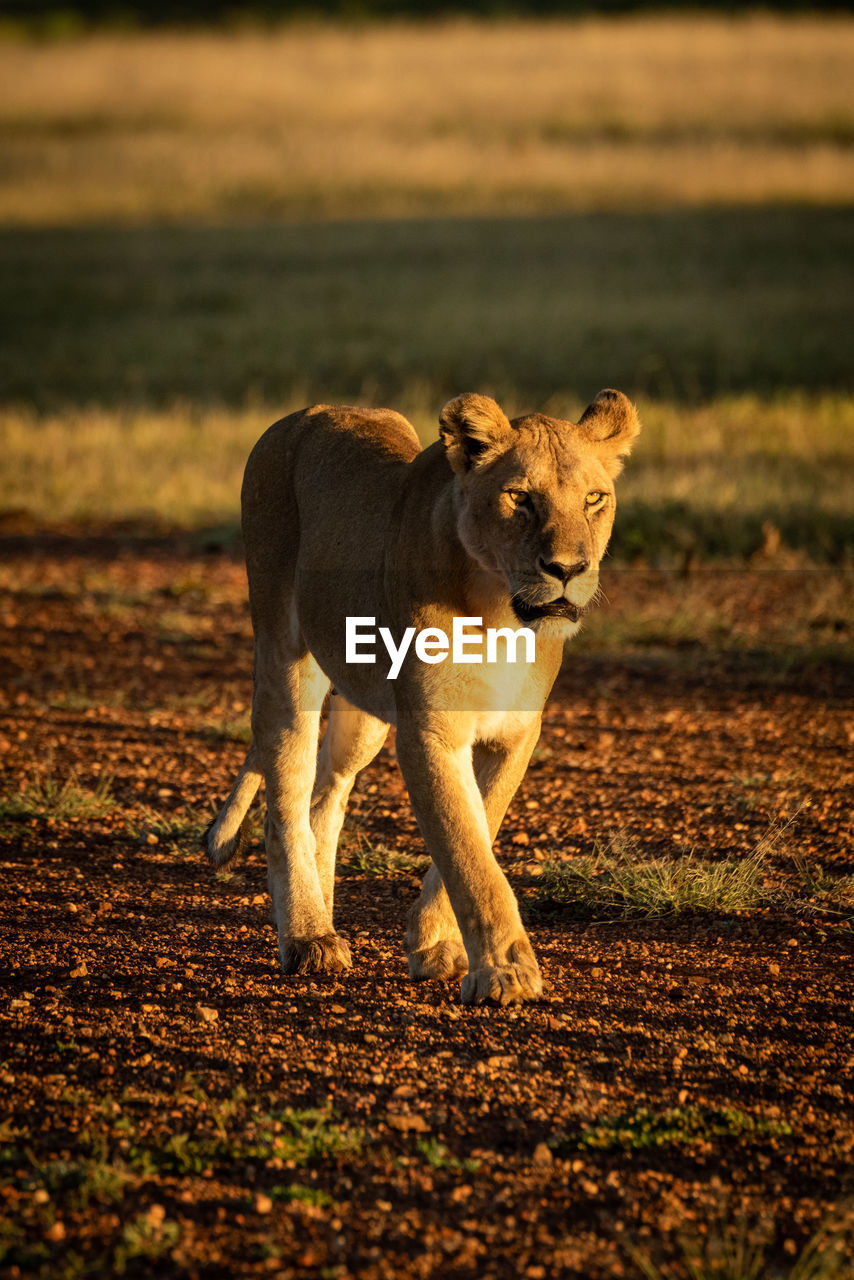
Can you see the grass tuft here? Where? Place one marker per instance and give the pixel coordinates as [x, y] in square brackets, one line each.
[438, 1156]
[738, 1250]
[823, 894]
[619, 880]
[378, 860]
[179, 834]
[61, 799]
[149, 1235]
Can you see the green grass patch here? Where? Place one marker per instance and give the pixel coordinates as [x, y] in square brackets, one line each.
[378, 860]
[298, 1137]
[677, 1126]
[150, 1235]
[619, 880]
[47, 796]
[145, 362]
[295, 1193]
[178, 832]
[822, 894]
[79, 1183]
[437, 1155]
[684, 305]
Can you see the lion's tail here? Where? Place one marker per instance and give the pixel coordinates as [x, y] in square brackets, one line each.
[228, 834]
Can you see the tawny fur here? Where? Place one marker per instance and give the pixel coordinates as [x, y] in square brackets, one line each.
[345, 515]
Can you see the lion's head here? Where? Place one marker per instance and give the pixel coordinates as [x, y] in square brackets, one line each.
[536, 498]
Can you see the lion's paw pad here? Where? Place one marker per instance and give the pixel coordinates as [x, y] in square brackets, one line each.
[444, 960]
[327, 954]
[502, 984]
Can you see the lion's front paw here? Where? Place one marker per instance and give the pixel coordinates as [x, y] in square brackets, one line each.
[444, 960]
[327, 954]
[511, 983]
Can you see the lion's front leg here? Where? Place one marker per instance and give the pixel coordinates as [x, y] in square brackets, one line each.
[450, 812]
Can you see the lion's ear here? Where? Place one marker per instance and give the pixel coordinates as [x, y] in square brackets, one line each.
[473, 430]
[611, 421]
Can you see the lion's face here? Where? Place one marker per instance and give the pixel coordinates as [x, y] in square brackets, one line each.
[536, 499]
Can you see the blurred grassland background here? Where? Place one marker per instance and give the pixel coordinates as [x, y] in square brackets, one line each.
[202, 230]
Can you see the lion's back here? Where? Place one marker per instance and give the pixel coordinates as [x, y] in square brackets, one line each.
[320, 484]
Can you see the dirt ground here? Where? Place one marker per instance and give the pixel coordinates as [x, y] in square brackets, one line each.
[171, 1106]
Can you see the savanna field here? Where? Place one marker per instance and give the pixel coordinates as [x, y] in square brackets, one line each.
[201, 231]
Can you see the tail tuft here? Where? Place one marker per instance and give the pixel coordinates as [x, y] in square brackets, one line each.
[223, 847]
[228, 834]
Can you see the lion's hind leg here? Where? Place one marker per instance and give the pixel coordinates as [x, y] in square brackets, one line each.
[351, 741]
[285, 723]
[434, 944]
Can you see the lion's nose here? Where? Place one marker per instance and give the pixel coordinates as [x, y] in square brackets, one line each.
[563, 572]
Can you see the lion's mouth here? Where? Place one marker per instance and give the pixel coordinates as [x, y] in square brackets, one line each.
[526, 612]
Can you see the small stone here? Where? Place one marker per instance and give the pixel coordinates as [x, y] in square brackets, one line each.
[41, 1196]
[337, 1008]
[151, 838]
[542, 1157]
[156, 1215]
[773, 968]
[204, 1014]
[407, 1122]
[263, 1204]
[56, 1232]
[597, 973]
[521, 837]
[499, 1060]
[81, 971]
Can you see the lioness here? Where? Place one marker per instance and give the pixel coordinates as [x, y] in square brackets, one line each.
[345, 516]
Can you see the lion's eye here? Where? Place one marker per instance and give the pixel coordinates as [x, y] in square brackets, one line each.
[595, 498]
[517, 496]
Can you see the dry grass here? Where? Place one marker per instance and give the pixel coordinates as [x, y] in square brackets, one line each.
[516, 116]
[618, 880]
[176, 466]
[716, 480]
[143, 361]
